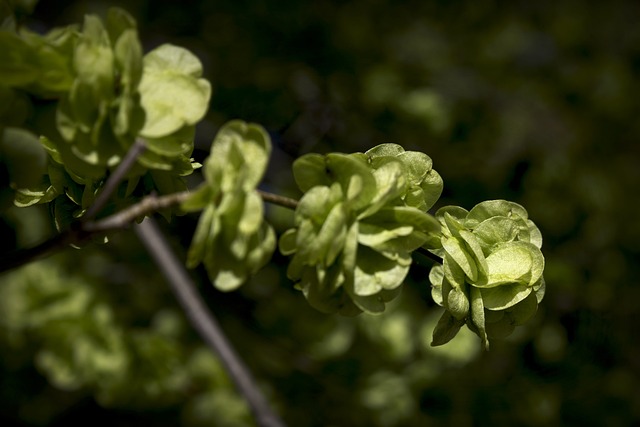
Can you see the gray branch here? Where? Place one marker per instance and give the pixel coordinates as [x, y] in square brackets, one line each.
[204, 321]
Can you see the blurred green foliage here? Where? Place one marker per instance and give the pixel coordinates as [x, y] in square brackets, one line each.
[528, 101]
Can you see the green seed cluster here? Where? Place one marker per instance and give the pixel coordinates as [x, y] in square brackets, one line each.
[232, 239]
[354, 232]
[491, 277]
[89, 93]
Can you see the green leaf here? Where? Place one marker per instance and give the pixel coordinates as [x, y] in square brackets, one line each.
[252, 214]
[436, 276]
[93, 59]
[472, 244]
[287, 242]
[405, 215]
[309, 171]
[494, 230]
[446, 329]
[515, 262]
[342, 167]
[417, 165]
[390, 184]
[539, 288]
[17, 67]
[505, 296]
[24, 157]
[535, 236]
[457, 303]
[462, 258]
[388, 149]
[524, 310]
[374, 235]
[375, 272]
[253, 145]
[208, 228]
[172, 93]
[118, 21]
[128, 58]
[478, 315]
[432, 187]
[490, 208]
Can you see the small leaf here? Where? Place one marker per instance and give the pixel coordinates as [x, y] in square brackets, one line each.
[432, 186]
[172, 93]
[406, 215]
[472, 244]
[342, 167]
[287, 242]
[198, 199]
[478, 315]
[374, 272]
[203, 231]
[373, 235]
[24, 157]
[436, 276]
[535, 236]
[458, 303]
[446, 329]
[524, 310]
[494, 230]
[388, 149]
[309, 171]
[515, 262]
[505, 296]
[417, 165]
[490, 208]
[459, 254]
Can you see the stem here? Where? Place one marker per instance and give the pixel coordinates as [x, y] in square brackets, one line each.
[204, 321]
[276, 199]
[81, 231]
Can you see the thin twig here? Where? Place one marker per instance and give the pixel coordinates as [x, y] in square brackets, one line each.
[114, 179]
[276, 199]
[428, 254]
[204, 321]
[81, 231]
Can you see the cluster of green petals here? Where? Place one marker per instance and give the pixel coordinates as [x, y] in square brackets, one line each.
[102, 95]
[491, 276]
[232, 239]
[353, 236]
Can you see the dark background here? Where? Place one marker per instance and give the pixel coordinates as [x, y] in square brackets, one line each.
[535, 102]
